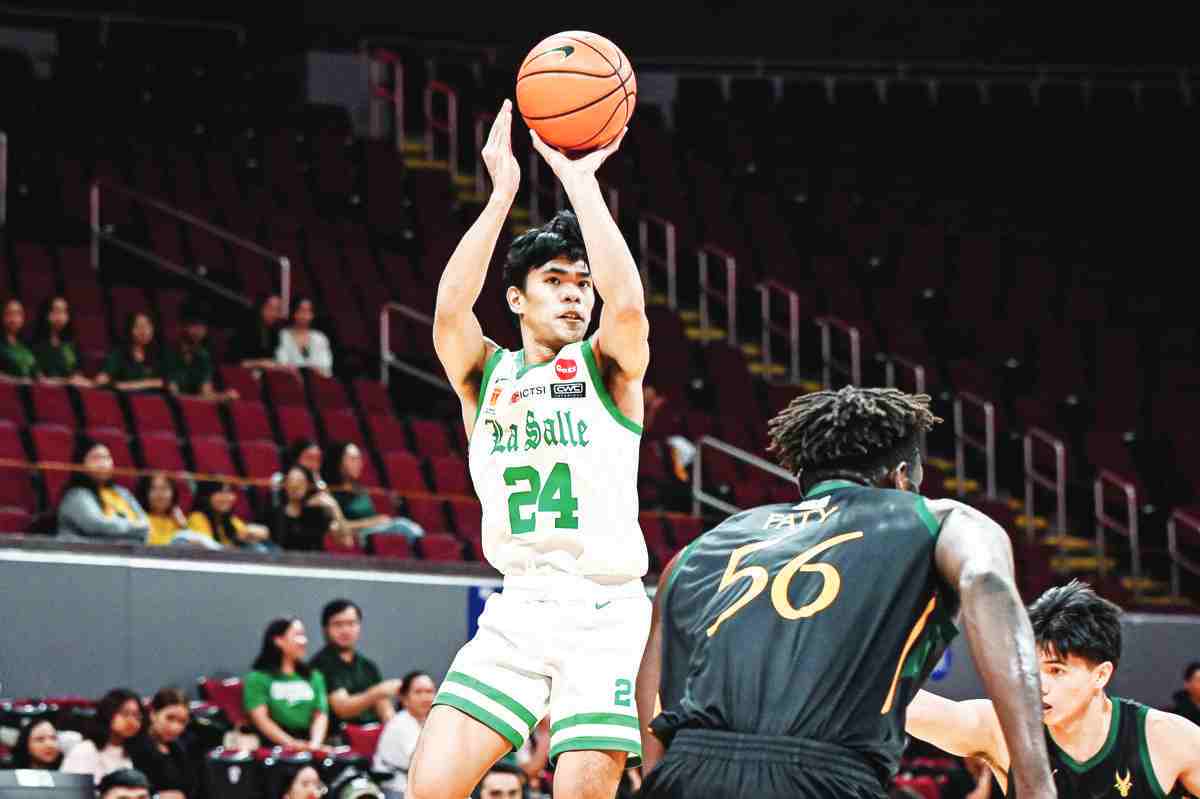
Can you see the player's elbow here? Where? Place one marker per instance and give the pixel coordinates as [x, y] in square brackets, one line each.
[985, 579]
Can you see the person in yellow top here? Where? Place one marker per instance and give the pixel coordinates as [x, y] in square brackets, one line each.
[93, 508]
[159, 495]
[212, 515]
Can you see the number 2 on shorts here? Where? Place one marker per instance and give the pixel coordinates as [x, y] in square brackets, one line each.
[555, 496]
[624, 689]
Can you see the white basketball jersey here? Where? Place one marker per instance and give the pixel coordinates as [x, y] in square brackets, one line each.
[555, 464]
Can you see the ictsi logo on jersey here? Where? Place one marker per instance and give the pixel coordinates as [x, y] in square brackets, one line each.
[566, 368]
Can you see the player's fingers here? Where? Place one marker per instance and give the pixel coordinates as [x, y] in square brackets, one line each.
[540, 145]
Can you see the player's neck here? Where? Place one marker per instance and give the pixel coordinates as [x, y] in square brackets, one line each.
[1082, 735]
[535, 352]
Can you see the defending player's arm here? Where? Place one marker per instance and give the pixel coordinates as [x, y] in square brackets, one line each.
[974, 556]
[457, 335]
[1174, 744]
[966, 729]
[650, 675]
[624, 332]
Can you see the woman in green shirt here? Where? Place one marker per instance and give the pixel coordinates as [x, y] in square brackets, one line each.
[283, 695]
[135, 365]
[343, 473]
[16, 360]
[54, 343]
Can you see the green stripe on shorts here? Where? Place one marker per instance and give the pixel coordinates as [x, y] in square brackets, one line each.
[599, 744]
[611, 719]
[491, 720]
[499, 697]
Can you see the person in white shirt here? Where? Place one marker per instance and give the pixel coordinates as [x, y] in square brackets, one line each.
[300, 345]
[119, 718]
[399, 738]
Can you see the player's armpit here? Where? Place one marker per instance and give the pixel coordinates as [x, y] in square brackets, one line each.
[1174, 744]
[966, 729]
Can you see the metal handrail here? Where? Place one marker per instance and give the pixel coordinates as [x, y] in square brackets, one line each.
[107, 18]
[3, 178]
[963, 439]
[1128, 528]
[699, 496]
[829, 365]
[916, 386]
[99, 233]
[449, 126]
[380, 93]
[770, 328]
[1180, 517]
[1057, 483]
[388, 359]
[727, 297]
[666, 261]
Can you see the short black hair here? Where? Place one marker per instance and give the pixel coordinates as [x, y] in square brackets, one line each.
[123, 778]
[337, 606]
[1073, 619]
[558, 238]
[1191, 669]
[861, 432]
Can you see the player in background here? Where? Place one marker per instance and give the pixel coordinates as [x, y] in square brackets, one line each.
[554, 432]
[1100, 745]
[787, 642]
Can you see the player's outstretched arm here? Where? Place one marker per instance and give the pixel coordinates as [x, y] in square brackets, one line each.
[966, 729]
[650, 675]
[457, 335]
[624, 332]
[1174, 744]
[974, 556]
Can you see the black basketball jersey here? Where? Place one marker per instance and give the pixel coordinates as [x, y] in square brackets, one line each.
[1120, 770]
[818, 620]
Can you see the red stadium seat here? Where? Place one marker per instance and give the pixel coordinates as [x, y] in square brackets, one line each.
[91, 332]
[363, 738]
[340, 424]
[296, 422]
[388, 433]
[450, 475]
[334, 547]
[242, 380]
[200, 417]
[11, 445]
[161, 452]
[404, 472]
[285, 388]
[686, 529]
[250, 421]
[227, 695]
[15, 520]
[212, 457]
[440, 547]
[430, 438]
[11, 406]
[101, 408]
[327, 392]
[151, 414]
[261, 458]
[16, 489]
[468, 517]
[391, 546]
[52, 442]
[372, 396]
[429, 513]
[51, 403]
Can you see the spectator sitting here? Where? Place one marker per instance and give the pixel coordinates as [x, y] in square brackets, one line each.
[54, 344]
[343, 469]
[300, 345]
[305, 785]
[357, 691]
[124, 783]
[399, 738]
[307, 514]
[37, 747]
[16, 360]
[159, 497]
[213, 517]
[93, 508]
[1187, 701]
[119, 719]
[284, 697]
[503, 781]
[189, 366]
[159, 754]
[303, 451]
[136, 364]
[254, 345]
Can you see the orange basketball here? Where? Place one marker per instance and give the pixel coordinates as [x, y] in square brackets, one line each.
[577, 90]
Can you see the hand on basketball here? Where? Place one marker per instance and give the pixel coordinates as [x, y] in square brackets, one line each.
[498, 157]
[568, 170]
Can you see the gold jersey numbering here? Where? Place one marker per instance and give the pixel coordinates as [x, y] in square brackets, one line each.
[760, 577]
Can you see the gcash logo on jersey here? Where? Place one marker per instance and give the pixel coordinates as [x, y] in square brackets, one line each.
[566, 368]
[526, 393]
[568, 390]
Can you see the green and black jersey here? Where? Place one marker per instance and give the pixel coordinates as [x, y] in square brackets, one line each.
[816, 620]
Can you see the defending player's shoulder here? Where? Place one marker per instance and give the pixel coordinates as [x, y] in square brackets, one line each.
[1174, 744]
[952, 512]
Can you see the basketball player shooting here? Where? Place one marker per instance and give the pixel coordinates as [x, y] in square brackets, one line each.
[554, 431]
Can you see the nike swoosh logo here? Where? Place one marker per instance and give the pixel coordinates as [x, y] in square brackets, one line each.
[600, 605]
[566, 50]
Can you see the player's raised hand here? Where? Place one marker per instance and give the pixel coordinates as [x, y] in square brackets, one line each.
[498, 156]
[569, 170]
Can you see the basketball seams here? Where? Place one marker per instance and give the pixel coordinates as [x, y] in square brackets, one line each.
[525, 75]
[585, 106]
[624, 102]
[616, 67]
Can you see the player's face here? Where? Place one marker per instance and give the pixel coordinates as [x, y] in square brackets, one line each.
[344, 629]
[501, 786]
[557, 302]
[1068, 685]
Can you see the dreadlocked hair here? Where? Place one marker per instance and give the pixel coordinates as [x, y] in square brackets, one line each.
[851, 429]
